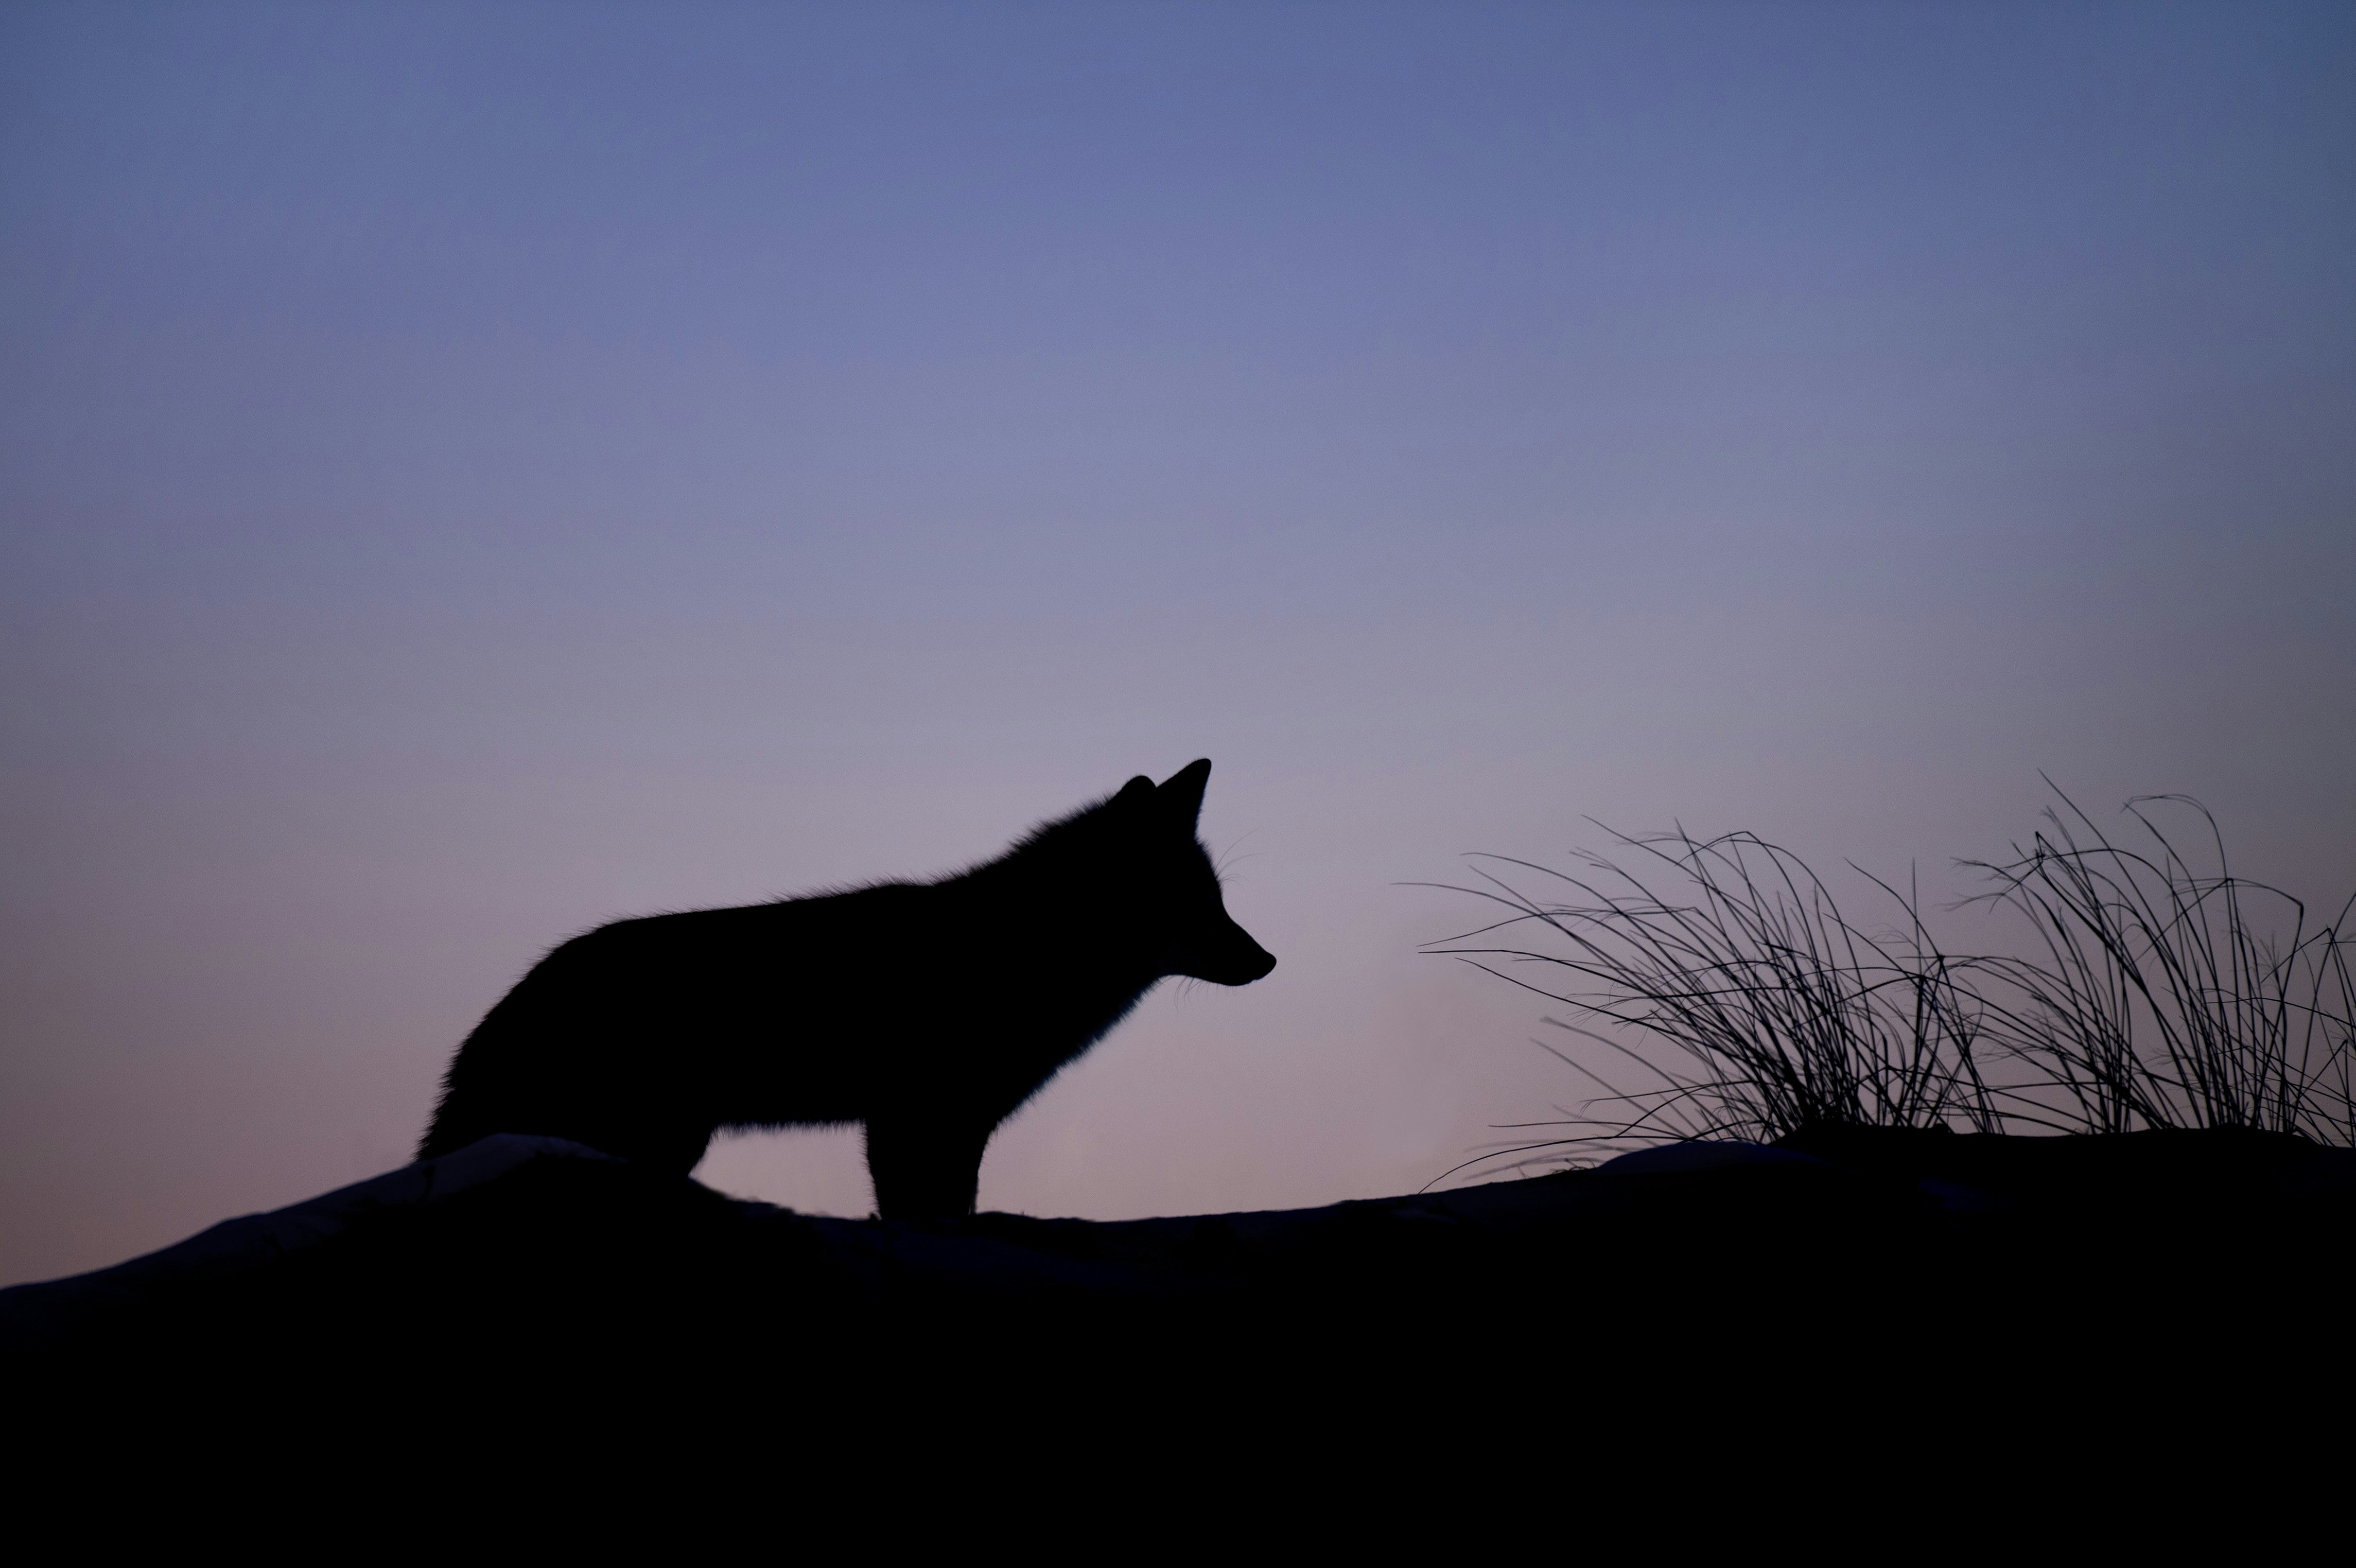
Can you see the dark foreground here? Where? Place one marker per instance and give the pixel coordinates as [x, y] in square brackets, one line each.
[1911, 1303]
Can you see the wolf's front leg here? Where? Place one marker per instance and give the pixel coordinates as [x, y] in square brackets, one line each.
[925, 1166]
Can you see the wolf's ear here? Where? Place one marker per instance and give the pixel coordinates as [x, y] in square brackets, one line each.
[1181, 795]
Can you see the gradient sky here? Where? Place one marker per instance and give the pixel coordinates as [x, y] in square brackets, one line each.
[470, 473]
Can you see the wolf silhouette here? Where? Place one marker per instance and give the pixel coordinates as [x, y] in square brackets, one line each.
[929, 1010]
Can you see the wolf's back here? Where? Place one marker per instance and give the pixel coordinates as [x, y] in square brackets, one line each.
[641, 1037]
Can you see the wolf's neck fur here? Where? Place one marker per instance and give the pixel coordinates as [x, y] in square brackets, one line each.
[1096, 958]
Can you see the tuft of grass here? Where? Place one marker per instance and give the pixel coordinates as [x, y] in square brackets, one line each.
[1776, 1009]
[1725, 976]
[2172, 996]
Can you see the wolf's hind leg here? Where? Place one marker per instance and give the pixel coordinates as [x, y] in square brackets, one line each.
[925, 1166]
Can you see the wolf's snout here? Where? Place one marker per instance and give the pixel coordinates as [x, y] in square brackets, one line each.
[1243, 971]
[1231, 958]
[1258, 964]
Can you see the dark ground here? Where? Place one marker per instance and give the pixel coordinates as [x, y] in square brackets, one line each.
[1878, 1313]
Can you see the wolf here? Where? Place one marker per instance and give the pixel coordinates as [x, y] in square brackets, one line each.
[928, 1011]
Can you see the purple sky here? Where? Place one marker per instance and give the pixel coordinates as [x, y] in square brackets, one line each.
[470, 473]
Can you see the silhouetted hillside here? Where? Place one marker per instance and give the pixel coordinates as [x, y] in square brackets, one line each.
[526, 1297]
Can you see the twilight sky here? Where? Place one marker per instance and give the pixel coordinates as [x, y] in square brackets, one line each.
[470, 473]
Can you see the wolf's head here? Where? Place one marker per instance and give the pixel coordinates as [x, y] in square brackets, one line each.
[1179, 897]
